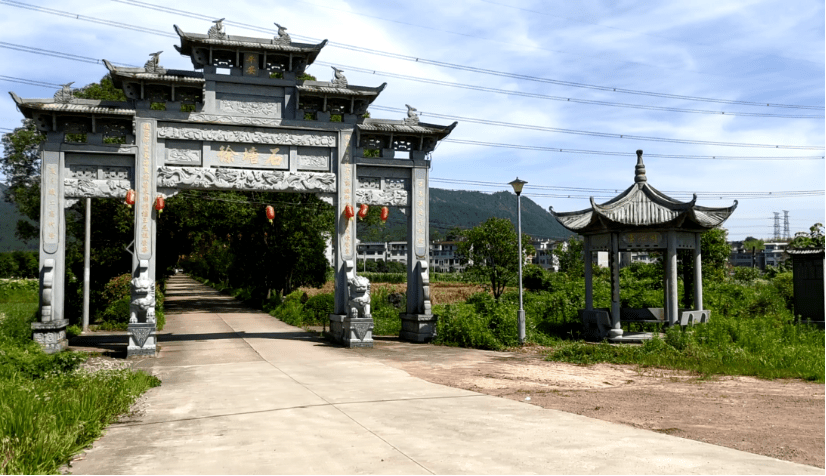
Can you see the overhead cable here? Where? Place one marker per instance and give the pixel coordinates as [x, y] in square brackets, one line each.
[510, 92]
[629, 154]
[464, 67]
[602, 134]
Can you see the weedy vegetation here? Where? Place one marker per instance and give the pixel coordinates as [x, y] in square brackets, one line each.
[49, 409]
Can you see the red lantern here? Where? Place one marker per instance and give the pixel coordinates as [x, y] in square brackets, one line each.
[348, 212]
[270, 213]
[385, 212]
[130, 198]
[363, 208]
[160, 203]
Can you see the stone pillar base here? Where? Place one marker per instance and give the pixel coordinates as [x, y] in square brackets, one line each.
[418, 327]
[51, 335]
[142, 339]
[351, 332]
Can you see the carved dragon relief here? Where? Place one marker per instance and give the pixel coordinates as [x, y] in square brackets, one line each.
[237, 179]
[255, 108]
[257, 137]
[87, 188]
[391, 198]
[241, 120]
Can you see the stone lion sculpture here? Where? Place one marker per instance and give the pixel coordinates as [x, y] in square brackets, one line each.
[145, 303]
[359, 303]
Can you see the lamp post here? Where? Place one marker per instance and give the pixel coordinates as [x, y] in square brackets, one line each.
[520, 316]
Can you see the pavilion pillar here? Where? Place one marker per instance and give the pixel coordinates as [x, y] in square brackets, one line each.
[50, 330]
[616, 325]
[348, 326]
[672, 302]
[418, 323]
[589, 274]
[698, 273]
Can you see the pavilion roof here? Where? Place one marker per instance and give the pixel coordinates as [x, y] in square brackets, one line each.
[642, 206]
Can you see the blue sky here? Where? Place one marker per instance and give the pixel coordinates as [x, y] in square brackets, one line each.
[767, 52]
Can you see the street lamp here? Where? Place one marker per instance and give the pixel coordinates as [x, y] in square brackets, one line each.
[520, 316]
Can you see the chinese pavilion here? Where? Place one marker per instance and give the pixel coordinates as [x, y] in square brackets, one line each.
[642, 218]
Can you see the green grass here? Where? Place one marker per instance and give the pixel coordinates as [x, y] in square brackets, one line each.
[752, 330]
[48, 409]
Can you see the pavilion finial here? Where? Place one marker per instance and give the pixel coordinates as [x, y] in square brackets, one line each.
[639, 170]
[338, 78]
[65, 95]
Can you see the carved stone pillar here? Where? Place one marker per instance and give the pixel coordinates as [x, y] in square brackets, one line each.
[50, 330]
[142, 339]
[346, 328]
[418, 324]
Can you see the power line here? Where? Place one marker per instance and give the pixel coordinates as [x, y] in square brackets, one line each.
[602, 134]
[508, 124]
[56, 54]
[609, 193]
[659, 37]
[453, 65]
[77, 16]
[509, 92]
[626, 154]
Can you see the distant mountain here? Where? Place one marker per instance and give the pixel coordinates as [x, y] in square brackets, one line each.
[8, 222]
[466, 209]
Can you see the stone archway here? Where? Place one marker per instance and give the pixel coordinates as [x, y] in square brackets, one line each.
[256, 129]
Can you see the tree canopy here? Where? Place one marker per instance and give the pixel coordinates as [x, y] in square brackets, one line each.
[491, 250]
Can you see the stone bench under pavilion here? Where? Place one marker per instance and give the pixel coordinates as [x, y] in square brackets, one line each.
[642, 219]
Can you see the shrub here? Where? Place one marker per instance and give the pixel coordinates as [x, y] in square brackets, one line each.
[318, 308]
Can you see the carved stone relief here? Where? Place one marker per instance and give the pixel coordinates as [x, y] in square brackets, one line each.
[314, 158]
[394, 198]
[239, 179]
[369, 183]
[81, 172]
[183, 156]
[254, 108]
[257, 137]
[86, 188]
[241, 120]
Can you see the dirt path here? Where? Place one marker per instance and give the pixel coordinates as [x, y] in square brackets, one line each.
[783, 419]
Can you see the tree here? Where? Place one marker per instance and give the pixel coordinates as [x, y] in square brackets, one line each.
[21, 166]
[571, 257]
[813, 239]
[753, 244]
[492, 249]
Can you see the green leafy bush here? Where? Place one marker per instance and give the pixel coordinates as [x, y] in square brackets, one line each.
[318, 308]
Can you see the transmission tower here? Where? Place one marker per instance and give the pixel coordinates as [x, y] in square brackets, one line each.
[786, 234]
[776, 225]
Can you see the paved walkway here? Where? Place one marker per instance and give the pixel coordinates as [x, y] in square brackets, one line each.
[245, 393]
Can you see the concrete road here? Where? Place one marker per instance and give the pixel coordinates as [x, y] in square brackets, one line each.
[244, 393]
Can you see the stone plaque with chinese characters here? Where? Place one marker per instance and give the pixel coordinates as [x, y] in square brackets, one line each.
[258, 156]
[51, 220]
[420, 211]
[642, 239]
[145, 170]
[250, 64]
